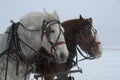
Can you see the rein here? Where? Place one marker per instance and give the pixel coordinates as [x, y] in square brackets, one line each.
[84, 57]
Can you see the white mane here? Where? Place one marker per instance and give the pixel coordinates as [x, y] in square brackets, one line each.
[33, 20]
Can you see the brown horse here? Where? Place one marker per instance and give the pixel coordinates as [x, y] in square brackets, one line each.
[77, 32]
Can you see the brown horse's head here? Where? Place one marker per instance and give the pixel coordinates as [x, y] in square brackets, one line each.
[82, 33]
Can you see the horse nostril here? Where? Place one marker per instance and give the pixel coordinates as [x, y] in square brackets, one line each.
[62, 56]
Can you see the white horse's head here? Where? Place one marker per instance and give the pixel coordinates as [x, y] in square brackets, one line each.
[44, 30]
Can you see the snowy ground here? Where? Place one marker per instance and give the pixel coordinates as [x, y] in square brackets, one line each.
[105, 68]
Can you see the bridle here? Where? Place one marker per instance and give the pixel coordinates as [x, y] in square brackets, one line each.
[84, 32]
[46, 31]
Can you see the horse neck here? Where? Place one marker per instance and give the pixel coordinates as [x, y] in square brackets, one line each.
[3, 41]
[71, 43]
[70, 25]
[31, 39]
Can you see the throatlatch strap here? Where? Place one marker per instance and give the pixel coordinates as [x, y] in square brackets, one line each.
[17, 67]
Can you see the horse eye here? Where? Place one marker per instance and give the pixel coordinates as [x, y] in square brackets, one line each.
[86, 32]
[52, 31]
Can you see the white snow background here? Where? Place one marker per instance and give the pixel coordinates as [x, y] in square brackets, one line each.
[105, 68]
[106, 19]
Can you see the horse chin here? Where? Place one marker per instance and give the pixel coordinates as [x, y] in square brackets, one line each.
[98, 53]
[99, 50]
[62, 60]
[62, 54]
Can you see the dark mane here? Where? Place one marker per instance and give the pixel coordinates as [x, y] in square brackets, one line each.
[77, 23]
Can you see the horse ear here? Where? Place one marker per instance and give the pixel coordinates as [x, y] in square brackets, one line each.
[81, 17]
[90, 20]
[45, 11]
[55, 15]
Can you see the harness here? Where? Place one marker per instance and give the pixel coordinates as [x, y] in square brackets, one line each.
[71, 61]
[73, 58]
[15, 47]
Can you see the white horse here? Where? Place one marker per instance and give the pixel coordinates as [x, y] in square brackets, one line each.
[34, 31]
